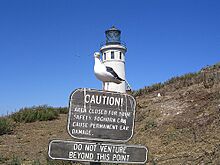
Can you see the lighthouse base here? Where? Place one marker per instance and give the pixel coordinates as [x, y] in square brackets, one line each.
[110, 86]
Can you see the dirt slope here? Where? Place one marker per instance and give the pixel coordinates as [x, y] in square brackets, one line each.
[30, 141]
[182, 126]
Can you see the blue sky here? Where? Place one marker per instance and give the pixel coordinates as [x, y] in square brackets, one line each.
[47, 46]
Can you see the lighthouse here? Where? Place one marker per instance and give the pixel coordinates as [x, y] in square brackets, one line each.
[113, 55]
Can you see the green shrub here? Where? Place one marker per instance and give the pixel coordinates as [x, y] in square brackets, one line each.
[2, 159]
[36, 162]
[5, 125]
[175, 82]
[150, 123]
[148, 89]
[62, 110]
[169, 137]
[15, 161]
[32, 114]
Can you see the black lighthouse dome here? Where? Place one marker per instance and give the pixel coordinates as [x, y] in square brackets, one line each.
[113, 36]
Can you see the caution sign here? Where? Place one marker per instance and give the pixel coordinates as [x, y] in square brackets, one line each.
[100, 115]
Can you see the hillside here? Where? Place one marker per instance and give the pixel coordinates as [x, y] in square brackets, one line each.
[178, 120]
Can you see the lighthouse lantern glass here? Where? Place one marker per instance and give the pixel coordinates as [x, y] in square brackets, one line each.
[113, 36]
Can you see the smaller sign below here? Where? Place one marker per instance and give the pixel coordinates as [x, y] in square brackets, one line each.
[97, 152]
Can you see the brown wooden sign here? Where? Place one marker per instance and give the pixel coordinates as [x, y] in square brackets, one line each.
[97, 152]
[100, 115]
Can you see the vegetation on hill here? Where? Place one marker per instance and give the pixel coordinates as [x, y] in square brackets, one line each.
[41, 113]
[28, 115]
[208, 76]
[5, 125]
[37, 113]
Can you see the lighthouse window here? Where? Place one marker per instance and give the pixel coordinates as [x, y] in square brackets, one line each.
[112, 55]
[104, 56]
[120, 55]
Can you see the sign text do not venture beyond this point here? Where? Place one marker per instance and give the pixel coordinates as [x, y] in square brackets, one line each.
[97, 152]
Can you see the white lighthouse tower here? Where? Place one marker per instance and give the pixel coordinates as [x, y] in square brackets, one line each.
[113, 55]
